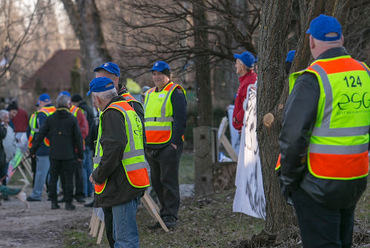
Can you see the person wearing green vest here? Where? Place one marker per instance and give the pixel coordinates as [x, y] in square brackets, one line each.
[120, 174]
[112, 71]
[42, 154]
[324, 141]
[165, 123]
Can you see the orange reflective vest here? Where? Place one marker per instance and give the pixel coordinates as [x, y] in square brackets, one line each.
[134, 163]
[339, 142]
[129, 98]
[74, 110]
[34, 126]
[278, 164]
[159, 114]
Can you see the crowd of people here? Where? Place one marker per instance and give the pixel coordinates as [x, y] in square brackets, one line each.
[130, 144]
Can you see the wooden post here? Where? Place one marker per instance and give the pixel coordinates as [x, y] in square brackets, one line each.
[153, 210]
[224, 141]
[101, 231]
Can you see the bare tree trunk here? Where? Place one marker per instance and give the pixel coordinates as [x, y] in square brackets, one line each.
[275, 20]
[202, 70]
[86, 22]
[203, 175]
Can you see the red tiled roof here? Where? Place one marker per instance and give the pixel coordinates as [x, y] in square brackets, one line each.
[55, 74]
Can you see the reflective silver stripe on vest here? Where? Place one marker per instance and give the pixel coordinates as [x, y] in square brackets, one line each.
[344, 150]
[134, 153]
[328, 107]
[368, 72]
[126, 155]
[155, 128]
[338, 132]
[96, 160]
[163, 110]
[147, 97]
[136, 166]
[131, 133]
[35, 129]
[160, 119]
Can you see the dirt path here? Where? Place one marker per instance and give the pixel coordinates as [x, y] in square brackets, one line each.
[38, 226]
[41, 227]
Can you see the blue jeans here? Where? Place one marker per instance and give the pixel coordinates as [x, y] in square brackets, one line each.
[125, 232]
[86, 172]
[42, 170]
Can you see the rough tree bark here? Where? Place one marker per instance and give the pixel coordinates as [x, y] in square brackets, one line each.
[85, 20]
[203, 171]
[275, 20]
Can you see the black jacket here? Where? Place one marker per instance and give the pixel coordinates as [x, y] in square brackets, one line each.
[118, 190]
[2, 152]
[299, 119]
[64, 134]
[91, 137]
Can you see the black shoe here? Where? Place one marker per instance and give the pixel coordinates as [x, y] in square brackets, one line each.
[61, 200]
[54, 205]
[89, 205]
[70, 206]
[170, 221]
[155, 226]
[30, 199]
[80, 199]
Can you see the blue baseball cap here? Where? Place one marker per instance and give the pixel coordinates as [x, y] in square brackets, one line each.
[100, 84]
[110, 67]
[160, 66]
[290, 56]
[43, 98]
[247, 58]
[323, 25]
[65, 93]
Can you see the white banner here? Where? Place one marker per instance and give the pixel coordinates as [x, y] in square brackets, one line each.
[249, 196]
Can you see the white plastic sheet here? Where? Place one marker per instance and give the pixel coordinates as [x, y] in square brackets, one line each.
[249, 196]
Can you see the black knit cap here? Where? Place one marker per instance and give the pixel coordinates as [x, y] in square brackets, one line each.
[76, 98]
[12, 105]
[167, 73]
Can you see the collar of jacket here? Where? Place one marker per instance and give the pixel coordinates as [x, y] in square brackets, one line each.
[333, 52]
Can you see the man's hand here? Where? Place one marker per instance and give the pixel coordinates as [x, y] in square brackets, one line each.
[92, 180]
[79, 160]
[32, 155]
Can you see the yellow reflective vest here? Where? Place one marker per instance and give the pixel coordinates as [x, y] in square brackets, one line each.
[159, 114]
[339, 142]
[134, 163]
[34, 127]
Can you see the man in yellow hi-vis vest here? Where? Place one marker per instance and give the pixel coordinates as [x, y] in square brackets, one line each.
[165, 122]
[112, 71]
[42, 155]
[324, 141]
[120, 173]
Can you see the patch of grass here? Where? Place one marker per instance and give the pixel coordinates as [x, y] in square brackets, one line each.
[186, 170]
[77, 236]
[203, 222]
